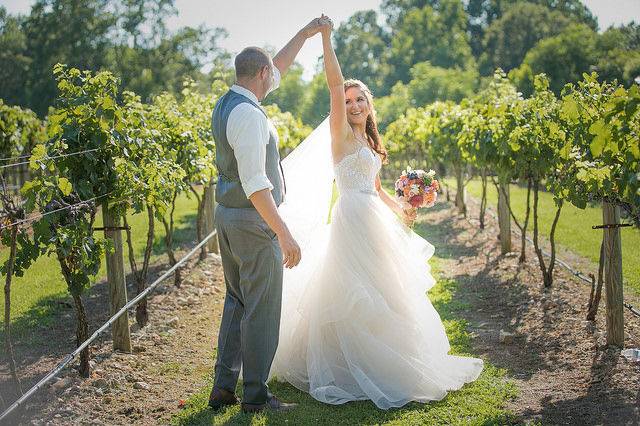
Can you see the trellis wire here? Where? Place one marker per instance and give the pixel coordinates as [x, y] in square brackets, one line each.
[67, 360]
[51, 157]
[41, 215]
[15, 158]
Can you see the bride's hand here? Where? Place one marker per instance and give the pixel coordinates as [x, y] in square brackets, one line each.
[326, 25]
[315, 26]
[409, 216]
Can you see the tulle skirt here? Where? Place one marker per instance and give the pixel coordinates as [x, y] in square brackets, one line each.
[356, 321]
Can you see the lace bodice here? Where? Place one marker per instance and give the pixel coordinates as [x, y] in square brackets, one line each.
[357, 171]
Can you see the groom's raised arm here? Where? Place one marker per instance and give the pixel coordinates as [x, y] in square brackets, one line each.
[285, 57]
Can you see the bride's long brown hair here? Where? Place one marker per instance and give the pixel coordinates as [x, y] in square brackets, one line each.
[371, 128]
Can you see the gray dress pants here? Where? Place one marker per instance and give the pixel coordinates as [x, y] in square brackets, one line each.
[252, 263]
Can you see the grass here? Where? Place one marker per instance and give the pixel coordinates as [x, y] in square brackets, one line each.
[38, 296]
[573, 231]
[478, 403]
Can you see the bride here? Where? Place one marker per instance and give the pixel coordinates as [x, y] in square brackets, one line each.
[356, 323]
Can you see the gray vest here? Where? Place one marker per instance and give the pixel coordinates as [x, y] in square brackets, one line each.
[229, 192]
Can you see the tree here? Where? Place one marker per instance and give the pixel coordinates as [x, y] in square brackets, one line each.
[14, 60]
[396, 10]
[389, 108]
[149, 71]
[67, 31]
[361, 46]
[563, 58]
[536, 139]
[482, 13]
[618, 51]
[429, 84]
[496, 103]
[153, 179]
[67, 190]
[508, 39]
[20, 131]
[291, 130]
[601, 158]
[443, 126]
[316, 105]
[291, 93]
[435, 35]
[126, 37]
[136, 15]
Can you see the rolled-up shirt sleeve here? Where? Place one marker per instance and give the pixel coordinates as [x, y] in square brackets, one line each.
[248, 135]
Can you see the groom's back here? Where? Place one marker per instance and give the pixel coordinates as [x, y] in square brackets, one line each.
[229, 191]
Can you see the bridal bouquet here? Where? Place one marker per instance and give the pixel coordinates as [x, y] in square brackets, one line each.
[417, 188]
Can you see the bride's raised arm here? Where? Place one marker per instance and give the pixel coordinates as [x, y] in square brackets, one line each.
[338, 116]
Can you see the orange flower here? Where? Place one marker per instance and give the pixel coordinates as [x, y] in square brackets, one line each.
[429, 197]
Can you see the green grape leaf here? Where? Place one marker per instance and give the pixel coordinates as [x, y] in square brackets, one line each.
[65, 186]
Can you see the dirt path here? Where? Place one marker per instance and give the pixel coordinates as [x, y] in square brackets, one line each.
[558, 361]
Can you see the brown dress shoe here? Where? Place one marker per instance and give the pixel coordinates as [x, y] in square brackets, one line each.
[274, 404]
[220, 398]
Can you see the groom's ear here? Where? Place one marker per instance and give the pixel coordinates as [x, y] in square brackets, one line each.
[264, 72]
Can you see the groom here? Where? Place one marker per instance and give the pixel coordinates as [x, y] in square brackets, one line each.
[254, 240]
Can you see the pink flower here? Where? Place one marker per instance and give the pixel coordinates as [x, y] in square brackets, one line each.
[416, 201]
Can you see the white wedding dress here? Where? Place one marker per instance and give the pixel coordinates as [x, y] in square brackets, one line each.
[356, 321]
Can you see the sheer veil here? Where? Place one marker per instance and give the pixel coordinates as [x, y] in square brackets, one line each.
[309, 175]
[308, 171]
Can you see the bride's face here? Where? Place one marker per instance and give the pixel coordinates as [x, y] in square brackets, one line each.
[358, 108]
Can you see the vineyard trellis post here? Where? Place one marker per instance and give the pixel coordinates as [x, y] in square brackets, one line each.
[116, 280]
[209, 217]
[504, 219]
[613, 274]
[7, 311]
[460, 190]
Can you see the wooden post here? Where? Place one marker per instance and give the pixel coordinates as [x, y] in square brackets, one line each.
[504, 219]
[209, 218]
[116, 281]
[613, 275]
[460, 195]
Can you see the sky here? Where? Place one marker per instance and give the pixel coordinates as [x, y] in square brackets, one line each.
[274, 22]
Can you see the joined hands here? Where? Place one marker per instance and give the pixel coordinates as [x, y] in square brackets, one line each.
[322, 24]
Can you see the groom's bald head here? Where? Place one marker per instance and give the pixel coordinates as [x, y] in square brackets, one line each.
[250, 61]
